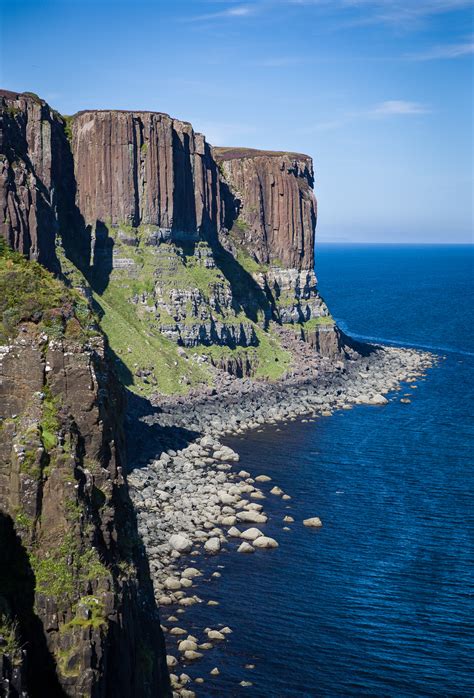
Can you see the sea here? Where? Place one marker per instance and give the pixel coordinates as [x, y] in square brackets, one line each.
[380, 600]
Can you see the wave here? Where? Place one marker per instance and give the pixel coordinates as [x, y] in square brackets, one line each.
[400, 342]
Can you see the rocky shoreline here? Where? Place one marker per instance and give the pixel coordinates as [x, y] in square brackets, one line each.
[192, 500]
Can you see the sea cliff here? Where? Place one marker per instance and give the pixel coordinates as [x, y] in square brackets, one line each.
[154, 285]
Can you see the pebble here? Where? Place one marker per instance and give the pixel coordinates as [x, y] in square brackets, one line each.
[215, 672]
[263, 478]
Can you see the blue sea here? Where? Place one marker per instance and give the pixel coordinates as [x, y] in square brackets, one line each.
[380, 601]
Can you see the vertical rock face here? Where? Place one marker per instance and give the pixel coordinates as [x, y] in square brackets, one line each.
[277, 206]
[140, 168]
[35, 175]
[275, 223]
[76, 603]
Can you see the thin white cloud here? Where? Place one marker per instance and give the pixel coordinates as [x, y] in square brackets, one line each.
[448, 51]
[229, 13]
[398, 107]
[404, 13]
[383, 110]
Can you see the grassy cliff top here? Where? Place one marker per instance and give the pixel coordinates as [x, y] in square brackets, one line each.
[237, 153]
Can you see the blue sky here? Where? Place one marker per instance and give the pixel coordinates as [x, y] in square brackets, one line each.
[378, 92]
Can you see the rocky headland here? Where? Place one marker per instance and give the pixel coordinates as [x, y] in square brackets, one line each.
[156, 295]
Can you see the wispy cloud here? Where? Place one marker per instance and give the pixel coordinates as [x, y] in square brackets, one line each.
[234, 12]
[403, 13]
[446, 51]
[384, 110]
[398, 107]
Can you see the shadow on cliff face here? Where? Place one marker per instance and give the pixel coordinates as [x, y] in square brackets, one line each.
[147, 440]
[184, 204]
[17, 594]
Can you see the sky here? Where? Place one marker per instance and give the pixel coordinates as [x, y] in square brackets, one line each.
[378, 92]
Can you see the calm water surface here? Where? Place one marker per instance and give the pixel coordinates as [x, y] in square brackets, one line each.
[379, 602]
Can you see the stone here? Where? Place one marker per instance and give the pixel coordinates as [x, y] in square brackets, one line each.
[190, 573]
[263, 478]
[251, 517]
[213, 545]
[265, 542]
[172, 583]
[245, 548]
[314, 522]
[180, 543]
[171, 661]
[177, 631]
[233, 532]
[288, 519]
[215, 672]
[251, 534]
[215, 635]
[187, 645]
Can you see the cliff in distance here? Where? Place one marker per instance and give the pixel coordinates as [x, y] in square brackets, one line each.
[132, 254]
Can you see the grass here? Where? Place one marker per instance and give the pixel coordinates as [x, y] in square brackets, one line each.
[65, 569]
[320, 321]
[49, 422]
[68, 121]
[29, 293]
[135, 346]
[9, 644]
[269, 360]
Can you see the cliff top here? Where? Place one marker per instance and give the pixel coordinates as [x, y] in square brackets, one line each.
[129, 111]
[237, 153]
[9, 94]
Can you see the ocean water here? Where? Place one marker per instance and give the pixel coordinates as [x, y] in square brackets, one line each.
[380, 601]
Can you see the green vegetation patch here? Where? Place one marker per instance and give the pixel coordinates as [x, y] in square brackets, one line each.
[9, 642]
[65, 569]
[269, 361]
[320, 321]
[49, 422]
[30, 293]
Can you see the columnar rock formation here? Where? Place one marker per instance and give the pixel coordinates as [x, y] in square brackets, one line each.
[277, 206]
[140, 168]
[34, 162]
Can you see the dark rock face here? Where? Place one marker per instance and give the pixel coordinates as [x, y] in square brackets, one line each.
[145, 168]
[36, 177]
[74, 585]
[277, 210]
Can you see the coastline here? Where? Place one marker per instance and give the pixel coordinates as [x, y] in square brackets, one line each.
[192, 499]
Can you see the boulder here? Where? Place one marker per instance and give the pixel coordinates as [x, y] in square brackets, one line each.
[313, 522]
